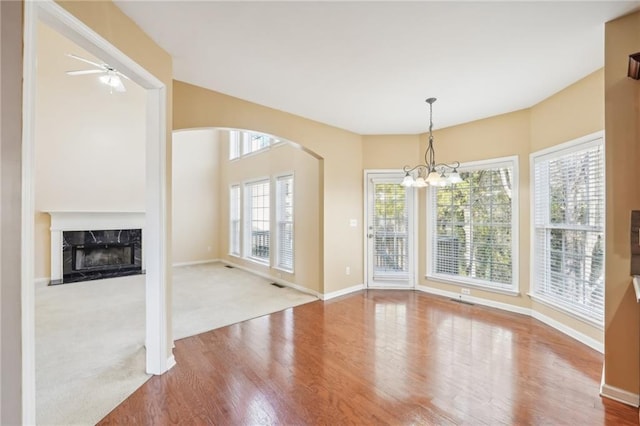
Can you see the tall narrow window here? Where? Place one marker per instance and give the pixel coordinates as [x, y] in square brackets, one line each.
[258, 220]
[568, 228]
[234, 144]
[473, 225]
[284, 222]
[234, 220]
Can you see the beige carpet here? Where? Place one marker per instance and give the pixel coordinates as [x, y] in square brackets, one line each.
[89, 336]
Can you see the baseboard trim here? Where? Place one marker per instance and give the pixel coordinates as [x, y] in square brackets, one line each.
[475, 300]
[343, 292]
[620, 395]
[171, 362]
[580, 337]
[194, 262]
[274, 279]
[42, 282]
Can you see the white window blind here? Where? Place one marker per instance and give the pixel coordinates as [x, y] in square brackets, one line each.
[568, 228]
[473, 225]
[257, 235]
[234, 144]
[234, 220]
[284, 222]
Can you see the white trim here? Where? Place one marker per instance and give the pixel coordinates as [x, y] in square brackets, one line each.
[476, 300]
[158, 331]
[274, 279]
[592, 137]
[550, 303]
[636, 287]
[620, 395]
[461, 282]
[343, 292]
[580, 337]
[194, 262]
[28, 209]
[42, 282]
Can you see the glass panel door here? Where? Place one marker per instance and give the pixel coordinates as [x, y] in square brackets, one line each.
[389, 231]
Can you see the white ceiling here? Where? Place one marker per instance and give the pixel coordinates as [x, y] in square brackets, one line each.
[368, 66]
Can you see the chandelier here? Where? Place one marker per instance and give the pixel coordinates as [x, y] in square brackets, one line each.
[431, 173]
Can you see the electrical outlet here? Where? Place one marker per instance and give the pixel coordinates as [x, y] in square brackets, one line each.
[465, 291]
[348, 270]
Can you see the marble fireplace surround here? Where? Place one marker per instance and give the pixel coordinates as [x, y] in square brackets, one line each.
[62, 221]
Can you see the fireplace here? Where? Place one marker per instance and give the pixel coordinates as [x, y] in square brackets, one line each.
[94, 245]
[97, 254]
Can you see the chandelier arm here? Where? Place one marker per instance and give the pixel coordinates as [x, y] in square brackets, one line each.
[406, 169]
[452, 166]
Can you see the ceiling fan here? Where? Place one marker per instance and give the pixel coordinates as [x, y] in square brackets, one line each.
[110, 76]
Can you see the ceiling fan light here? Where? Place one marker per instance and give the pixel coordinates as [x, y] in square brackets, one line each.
[110, 80]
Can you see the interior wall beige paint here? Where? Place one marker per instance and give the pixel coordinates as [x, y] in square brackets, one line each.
[575, 111]
[280, 159]
[196, 199]
[622, 135]
[340, 169]
[11, 31]
[89, 143]
[390, 151]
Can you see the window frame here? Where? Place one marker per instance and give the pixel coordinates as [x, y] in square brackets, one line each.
[514, 288]
[233, 187]
[557, 152]
[248, 219]
[278, 208]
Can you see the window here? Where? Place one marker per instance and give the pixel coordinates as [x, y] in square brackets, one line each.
[474, 224]
[568, 228]
[243, 143]
[284, 222]
[234, 144]
[258, 220]
[234, 220]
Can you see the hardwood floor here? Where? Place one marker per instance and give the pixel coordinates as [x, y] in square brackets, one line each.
[379, 357]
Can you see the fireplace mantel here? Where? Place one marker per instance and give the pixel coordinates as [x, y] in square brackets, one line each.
[87, 221]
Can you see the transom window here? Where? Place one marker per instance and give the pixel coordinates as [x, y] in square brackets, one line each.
[474, 226]
[243, 143]
[568, 227]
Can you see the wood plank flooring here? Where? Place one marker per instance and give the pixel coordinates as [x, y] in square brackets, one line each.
[379, 357]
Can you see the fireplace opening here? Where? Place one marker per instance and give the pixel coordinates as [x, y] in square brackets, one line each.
[101, 257]
[98, 254]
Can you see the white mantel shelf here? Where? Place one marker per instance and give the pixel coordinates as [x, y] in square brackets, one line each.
[88, 221]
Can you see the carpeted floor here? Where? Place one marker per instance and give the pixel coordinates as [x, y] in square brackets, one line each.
[90, 335]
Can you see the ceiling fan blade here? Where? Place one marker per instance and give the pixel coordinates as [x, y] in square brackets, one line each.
[83, 72]
[95, 64]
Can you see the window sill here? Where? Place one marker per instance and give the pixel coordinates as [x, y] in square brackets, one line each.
[257, 260]
[288, 271]
[463, 283]
[561, 309]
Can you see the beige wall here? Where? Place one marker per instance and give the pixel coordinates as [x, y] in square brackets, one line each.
[196, 199]
[622, 115]
[89, 154]
[340, 169]
[279, 159]
[10, 212]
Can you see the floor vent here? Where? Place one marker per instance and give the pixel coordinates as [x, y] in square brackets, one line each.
[228, 266]
[277, 285]
[463, 301]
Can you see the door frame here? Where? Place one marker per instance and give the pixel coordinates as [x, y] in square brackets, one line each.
[413, 232]
[159, 340]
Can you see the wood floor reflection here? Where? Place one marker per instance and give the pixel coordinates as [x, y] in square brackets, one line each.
[379, 357]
